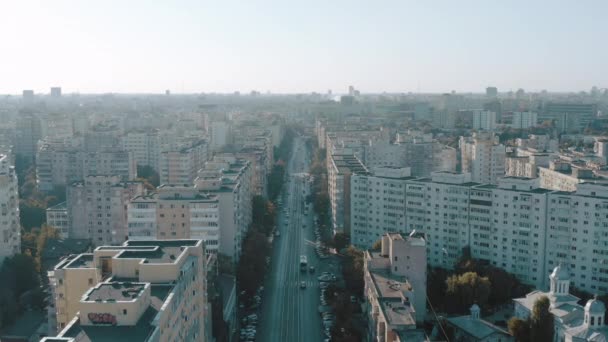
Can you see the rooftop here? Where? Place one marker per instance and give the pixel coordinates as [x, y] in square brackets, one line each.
[117, 291]
[84, 260]
[477, 328]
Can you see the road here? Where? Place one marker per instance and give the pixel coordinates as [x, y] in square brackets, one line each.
[290, 313]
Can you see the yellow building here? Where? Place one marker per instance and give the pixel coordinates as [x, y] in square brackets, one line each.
[141, 291]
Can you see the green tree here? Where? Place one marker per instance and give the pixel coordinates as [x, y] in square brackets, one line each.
[541, 321]
[149, 174]
[340, 241]
[520, 329]
[466, 289]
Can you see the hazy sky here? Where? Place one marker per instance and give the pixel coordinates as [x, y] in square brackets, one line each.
[302, 46]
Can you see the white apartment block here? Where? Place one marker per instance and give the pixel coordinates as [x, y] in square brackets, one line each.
[145, 147]
[141, 291]
[230, 179]
[378, 204]
[57, 217]
[97, 208]
[515, 225]
[524, 120]
[176, 212]
[10, 227]
[539, 143]
[483, 157]
[181, 166]
[484, 120]
[395, 289]
[58, 166]
[526, 163]
[340, 168]
[220, 133]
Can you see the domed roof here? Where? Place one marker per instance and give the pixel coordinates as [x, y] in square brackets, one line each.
[595, 306]
[560, 273]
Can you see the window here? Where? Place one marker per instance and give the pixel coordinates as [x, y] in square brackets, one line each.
[124, 311]
[90, 281]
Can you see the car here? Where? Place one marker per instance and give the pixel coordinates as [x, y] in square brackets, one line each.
[353, 299]
[311, 269]
[302, 284]
[277, 233]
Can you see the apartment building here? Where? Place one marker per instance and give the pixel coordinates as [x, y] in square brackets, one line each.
[484, 120]
[220, 133]
[526, 163]
[524, 120]
[378, 204]
[97, 208]
[230, 179]
[58, 165]
[176, 212]
[503, 224]
[562, 175]
[569, 117]
[10, 227]
[58, 218]
[147, 290]
[181, 166]
[540, 143]
[483, 157]
[395, 289]
[28, 131]
[145, 147]
[340, 168]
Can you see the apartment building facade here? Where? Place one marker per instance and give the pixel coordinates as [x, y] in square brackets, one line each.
[230, 179]
[340, 168]
[10, 227]
[60, 165]
[176, 212]
[97, 208]
[483, 157]
[181, 166]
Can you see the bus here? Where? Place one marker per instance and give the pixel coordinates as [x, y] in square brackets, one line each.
[303, 263]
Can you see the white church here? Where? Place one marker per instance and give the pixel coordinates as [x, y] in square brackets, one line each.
[572, 322]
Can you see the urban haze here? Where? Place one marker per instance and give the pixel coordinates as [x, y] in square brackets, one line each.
[317, 171]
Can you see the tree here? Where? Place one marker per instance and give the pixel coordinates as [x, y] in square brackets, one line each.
[520, 329]
[377, 245]
[465, 290]
[149, 174]
[340, 241]
[541, 321]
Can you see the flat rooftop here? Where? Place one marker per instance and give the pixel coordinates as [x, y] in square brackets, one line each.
[398, 313]
[81, 261]
[117, 291]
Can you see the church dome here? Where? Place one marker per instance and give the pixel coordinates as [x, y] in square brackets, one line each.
[595, 306]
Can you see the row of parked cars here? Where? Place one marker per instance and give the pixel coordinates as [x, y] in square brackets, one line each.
[320, 249]
[249, 323]
[328, 317]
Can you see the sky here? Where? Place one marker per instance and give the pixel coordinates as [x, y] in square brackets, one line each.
[191, 46]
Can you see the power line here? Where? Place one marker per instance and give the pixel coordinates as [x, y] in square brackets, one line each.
[437, 319]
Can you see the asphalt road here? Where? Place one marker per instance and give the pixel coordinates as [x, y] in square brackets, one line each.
[288, 312]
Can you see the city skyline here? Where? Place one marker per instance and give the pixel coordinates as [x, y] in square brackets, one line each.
[193, 47]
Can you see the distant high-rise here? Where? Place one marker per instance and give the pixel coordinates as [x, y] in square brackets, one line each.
[484, 120]
[491, 92]
[351, 90]
[28, 132]
[55, 91]
[28, 95]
